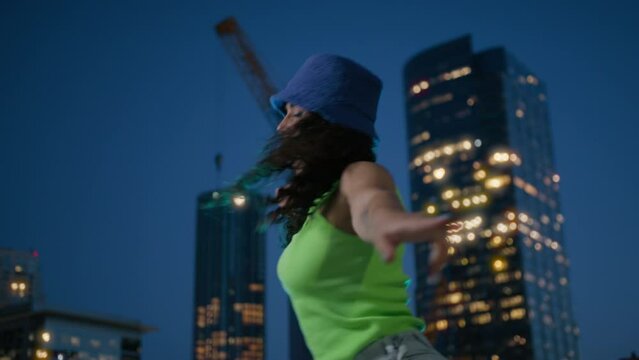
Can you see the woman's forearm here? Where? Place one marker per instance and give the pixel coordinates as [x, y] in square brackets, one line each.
[374, 208]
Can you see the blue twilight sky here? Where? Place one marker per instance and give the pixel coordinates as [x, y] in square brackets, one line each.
[111, 113]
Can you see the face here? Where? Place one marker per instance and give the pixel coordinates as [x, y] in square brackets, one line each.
[294, 114]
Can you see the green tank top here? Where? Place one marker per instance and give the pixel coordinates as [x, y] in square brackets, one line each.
[343, 293]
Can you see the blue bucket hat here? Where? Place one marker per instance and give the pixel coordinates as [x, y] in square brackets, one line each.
[338, 89]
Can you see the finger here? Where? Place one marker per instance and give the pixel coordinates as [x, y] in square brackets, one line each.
[437, 265]
[441, 220]
[454, 225]
[418, 228]
[438, 256]
[386, 250]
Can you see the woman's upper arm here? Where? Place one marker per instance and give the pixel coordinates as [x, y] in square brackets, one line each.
[361, 180]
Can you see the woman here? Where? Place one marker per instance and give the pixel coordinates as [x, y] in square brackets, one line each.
[345, 224]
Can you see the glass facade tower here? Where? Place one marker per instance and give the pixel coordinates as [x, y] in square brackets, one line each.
[479, 144]
[229, 277]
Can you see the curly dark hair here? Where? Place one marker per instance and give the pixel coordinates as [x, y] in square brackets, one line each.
[316, 152]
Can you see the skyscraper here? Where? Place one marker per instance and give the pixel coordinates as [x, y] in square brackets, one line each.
[229, 276]
[20, 283]
[479, 145]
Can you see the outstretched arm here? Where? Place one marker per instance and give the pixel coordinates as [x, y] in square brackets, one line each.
[379, 218]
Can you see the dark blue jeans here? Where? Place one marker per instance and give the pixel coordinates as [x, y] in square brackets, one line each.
[409, 345]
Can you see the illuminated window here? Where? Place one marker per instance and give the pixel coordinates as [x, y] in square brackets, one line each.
[456, 310]
[470, 283]
[519, 340]
[478, 306]
[449, 149]
[441, 325]
[419, 138]
[511, 301]
[473, 223]
[501, 278]
[502, 228]
[454, 298]
[46, 336]
[239, 201]
[482, 319]
[439, 173]
[497, 182]
[454, 239]
[499, 264]
[449, 193]
[516, 314]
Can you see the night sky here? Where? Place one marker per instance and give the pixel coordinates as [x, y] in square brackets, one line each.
[111, 113]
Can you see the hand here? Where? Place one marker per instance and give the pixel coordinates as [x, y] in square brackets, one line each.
[399, 227]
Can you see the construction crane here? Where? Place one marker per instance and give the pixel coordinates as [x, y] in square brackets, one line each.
[262, 88]
[253, 73]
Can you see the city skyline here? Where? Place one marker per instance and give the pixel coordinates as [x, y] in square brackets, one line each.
[112, 114]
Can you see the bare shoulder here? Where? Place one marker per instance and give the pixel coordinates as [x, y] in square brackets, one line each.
[364, 175]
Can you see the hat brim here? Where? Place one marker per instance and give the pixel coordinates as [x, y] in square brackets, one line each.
[278, 105]
[358, 121]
